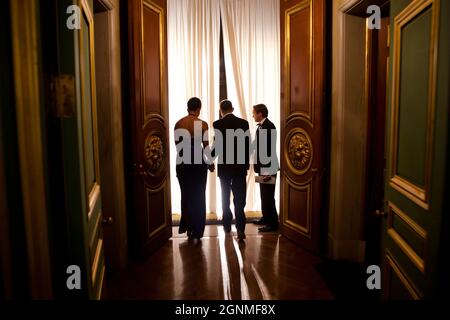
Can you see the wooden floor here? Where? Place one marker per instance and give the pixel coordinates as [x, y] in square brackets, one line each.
[265, 267]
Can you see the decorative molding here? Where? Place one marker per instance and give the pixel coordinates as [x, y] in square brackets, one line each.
[410, 190]
[107, 4]
[154, 151]
[349, 5]
[299, 151]
[304, 230]
[392, 264]
[99, 252]
[102, 279]
[309, 117]
[162, 62]
[163, 188]
[400, 241]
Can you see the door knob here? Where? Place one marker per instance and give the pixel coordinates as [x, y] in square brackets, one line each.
[107, 221]
[380, 214]
[140, 169]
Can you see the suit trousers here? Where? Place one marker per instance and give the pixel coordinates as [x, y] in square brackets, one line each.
[238, 185]
[268, 207]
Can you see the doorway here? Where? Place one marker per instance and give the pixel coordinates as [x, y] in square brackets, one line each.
[149, 125]
[209, 75]
[353, 235]
[377, 65]
[110, 124]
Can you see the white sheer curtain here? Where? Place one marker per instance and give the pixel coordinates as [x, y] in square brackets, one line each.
[194, 66]
[251, 32]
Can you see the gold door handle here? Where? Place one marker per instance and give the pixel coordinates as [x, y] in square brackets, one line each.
[144, 174]
[380, 214]
[140, 169]
[107, 221]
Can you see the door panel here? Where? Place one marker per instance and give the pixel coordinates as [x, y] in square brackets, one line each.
[417, 140]
[151, 216]
[303, 85]
[90, 150]
[72, 148]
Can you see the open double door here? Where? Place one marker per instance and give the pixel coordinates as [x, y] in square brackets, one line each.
[303, 83]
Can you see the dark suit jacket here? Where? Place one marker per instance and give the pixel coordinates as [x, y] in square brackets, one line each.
[271, 149]
[224, 169]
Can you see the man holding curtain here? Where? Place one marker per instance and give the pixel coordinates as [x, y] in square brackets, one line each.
[267, 166]
[233, 166]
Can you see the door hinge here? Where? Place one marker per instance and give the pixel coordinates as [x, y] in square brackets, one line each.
[61, 95]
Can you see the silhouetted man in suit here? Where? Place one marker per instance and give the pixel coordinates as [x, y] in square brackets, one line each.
[233, 166]
[266, 165]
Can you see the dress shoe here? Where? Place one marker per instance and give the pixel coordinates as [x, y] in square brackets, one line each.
[227, 229]
[268, 229]
[241, 236]
[259, 222]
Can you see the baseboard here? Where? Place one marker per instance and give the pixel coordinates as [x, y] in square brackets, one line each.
[348, 250]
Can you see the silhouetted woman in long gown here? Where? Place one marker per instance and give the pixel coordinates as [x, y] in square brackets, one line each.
[192, 170]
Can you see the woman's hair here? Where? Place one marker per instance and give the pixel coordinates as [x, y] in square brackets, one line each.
[261, 108]
[194, 104]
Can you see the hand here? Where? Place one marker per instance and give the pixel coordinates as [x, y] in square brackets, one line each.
[212, 167]
[267, 178]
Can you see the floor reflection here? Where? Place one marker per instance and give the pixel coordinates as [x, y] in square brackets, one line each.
[264, 267]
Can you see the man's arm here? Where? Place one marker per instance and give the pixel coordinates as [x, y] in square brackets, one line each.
[205, 129]
[215, 127]
[247, 144]
[211, 165]
[272, 148]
